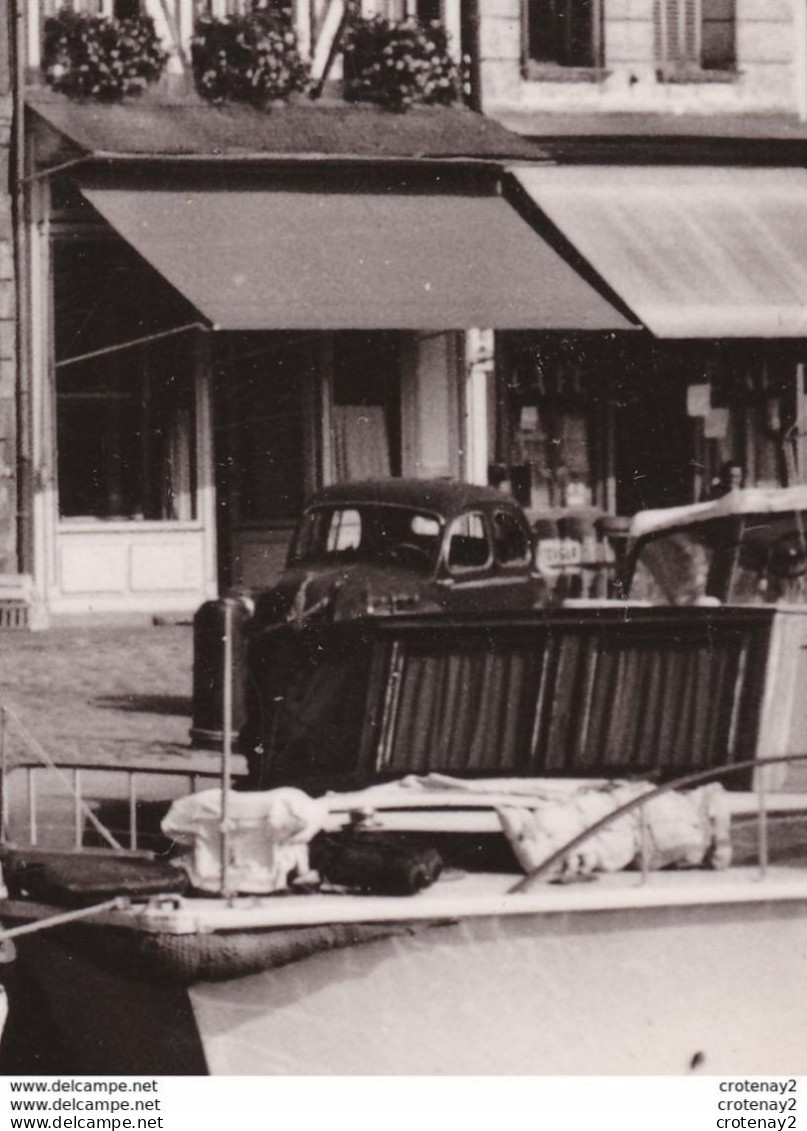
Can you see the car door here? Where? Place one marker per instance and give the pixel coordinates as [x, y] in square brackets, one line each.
[486, 564]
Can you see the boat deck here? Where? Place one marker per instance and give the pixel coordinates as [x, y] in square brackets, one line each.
[455, 896]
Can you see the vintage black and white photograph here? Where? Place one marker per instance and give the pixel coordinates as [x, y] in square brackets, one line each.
[403, 538]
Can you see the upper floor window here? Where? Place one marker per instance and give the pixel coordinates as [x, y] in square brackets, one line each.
[117, 9]
[422, 10]
[564, 33]
[696, 34]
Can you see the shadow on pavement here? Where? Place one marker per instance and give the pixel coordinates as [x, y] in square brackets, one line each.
[147, 704]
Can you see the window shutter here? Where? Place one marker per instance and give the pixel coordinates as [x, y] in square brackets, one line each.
[690, 17]
[699, 33]
[677, 31]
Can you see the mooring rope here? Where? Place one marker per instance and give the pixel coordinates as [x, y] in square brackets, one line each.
[57, 920]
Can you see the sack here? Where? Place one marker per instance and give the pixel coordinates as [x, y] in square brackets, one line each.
[682, 830]
[538, 832]
[372, 863]
[689, 830]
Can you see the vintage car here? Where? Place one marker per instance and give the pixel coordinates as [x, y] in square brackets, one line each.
[368, 550]
[406, 546]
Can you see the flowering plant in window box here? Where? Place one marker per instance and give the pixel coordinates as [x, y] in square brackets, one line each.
[97, 58]
[252, 58]
[399, 64]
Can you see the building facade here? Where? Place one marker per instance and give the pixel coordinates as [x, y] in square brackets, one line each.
[227, 308]
[218, 310]
[644, 56]
[679, 125]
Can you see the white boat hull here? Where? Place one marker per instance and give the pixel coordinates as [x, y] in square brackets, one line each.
[691, 970]
[656, 990]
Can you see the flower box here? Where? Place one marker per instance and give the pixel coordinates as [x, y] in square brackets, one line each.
[91, 57]
[251, 58]
[399, 64]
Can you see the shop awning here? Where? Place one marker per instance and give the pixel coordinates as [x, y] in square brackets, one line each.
[264, 260]
[694, 253]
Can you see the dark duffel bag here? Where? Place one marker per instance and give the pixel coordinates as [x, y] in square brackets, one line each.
[374, 863]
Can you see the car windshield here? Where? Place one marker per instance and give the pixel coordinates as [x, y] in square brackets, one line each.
[369, 533]
[743, 560]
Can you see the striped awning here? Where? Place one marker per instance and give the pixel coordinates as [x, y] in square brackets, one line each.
[693, 252]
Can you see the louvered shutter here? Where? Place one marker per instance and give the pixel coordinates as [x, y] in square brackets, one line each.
[677, 28]
[699, 33]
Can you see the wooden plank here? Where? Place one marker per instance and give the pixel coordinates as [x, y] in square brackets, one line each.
[513, 729]
[586, 718]
[565, 679]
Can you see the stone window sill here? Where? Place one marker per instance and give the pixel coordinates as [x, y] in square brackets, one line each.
[686, 75]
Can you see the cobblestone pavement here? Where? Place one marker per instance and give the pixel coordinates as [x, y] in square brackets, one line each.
[100, 693]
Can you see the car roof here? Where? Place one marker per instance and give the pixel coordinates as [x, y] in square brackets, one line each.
[443, 496]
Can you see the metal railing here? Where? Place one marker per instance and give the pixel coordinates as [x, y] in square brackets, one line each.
[72, 775]
[67, 787]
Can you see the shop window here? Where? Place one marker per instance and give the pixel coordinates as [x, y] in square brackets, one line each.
[125, 437]
[564, 33]
[125, 392]
[468, 543]
[695, 34]
[548, 445]
[756, 417]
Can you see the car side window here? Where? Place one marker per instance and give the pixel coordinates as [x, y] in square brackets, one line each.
[468, 546]
[510, 542]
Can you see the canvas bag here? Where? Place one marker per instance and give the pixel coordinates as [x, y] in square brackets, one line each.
[268, 837]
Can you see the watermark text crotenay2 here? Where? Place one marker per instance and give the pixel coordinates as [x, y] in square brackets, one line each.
[757, 1105]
